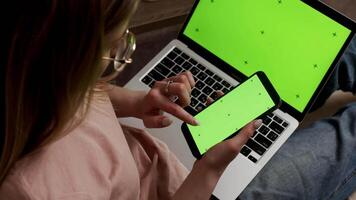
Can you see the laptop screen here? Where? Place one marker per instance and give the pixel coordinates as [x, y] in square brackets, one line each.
[293, 43]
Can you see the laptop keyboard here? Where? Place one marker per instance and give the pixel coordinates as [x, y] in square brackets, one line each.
[270, 130]
[207, 82]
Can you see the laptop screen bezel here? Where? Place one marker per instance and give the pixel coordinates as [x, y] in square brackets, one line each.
[317, 5]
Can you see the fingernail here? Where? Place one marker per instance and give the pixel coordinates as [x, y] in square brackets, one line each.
[166, 122]
[257, 123]
[196, 123]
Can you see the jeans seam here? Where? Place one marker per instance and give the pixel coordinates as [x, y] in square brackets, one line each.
[346, 180]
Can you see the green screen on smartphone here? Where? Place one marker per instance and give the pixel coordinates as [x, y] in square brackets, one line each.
[230, 113]
[290, 41]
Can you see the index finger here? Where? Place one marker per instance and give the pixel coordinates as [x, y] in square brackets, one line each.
[168, 106]
[190, 78]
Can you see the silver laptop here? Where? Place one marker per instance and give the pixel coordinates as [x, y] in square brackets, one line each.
[296, 43]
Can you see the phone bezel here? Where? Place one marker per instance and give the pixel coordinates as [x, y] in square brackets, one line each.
[269, 88]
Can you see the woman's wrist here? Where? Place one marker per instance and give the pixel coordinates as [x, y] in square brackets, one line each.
[126, 103]
[199, 184]
[203, 167]
[138, 103]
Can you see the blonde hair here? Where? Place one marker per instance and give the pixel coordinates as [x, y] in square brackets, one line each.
[52, 60]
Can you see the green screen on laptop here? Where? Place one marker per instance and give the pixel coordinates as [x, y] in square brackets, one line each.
[291, 42]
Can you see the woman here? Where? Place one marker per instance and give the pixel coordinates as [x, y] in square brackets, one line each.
[62, 137]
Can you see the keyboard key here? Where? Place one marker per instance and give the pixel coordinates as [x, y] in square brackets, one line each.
[255, 155]
[209, 81]
[217, 86]
[177, 69]
[210, 73]
[187, 65]
[162, 69]
[195, 92]
[172, 55]
[201, 67]
[168, 63]
[245, 151]
[254, 134]
[263, 130]
[179, 60]
[214, 96]
[256, 147]
[171, 75]
[207, 90]
[193, 102]
[224, 90]
[253, 159]
[194, 62]
[151, 84]
[276, 127]
[226, 84]
[217, 78]
[202, 76]
[147, 80]
[202, 98]
[199, 85]
[185, 56]
[262, 140]
[272, 136]
[199, 107]
[277, 119]
[155, 75]
[194, 71]
[177, 51]
[285, 124]
[270, 115]
[267, 120]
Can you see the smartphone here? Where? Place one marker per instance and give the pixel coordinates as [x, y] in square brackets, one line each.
[223, 119]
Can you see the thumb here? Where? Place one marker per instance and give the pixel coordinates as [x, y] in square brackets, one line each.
[244, 135]
[157, 121]
[235, 144]
[218, 157]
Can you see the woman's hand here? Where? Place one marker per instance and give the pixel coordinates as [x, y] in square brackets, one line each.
[218, 157]
[206, 172]
[161, 98]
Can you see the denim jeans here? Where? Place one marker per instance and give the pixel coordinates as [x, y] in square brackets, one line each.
[317, 162]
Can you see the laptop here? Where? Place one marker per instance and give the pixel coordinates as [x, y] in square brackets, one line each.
[297, 44]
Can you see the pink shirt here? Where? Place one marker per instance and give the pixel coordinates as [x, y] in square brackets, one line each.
[97, 160]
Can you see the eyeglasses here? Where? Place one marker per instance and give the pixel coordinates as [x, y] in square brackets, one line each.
[123, 52]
